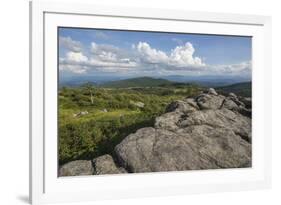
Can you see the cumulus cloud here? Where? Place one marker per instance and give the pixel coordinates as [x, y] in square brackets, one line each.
[110, 56]
[151, 55]
[70, 44]
[76, 57]
[104, 52]
[141, 59]
[75, 62]
[99, 48]
[102, 57]
[180, 57]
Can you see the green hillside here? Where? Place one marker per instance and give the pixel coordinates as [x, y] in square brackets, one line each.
[93, 120]
[242, 89]
[137, 82]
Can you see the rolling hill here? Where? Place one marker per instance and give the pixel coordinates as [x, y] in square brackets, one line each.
[242, 89]
[137, 82]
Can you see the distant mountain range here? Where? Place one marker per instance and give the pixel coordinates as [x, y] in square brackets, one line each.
[137, 82]
[242, 89]
[206, 81]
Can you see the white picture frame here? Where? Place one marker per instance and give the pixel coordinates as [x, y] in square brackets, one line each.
[46, 187]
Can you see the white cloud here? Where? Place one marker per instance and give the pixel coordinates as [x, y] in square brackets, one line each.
[103, 57]
[234, 69]
[118, 64]
[78, 69]
[143, 59]
[100, 48]
[151, 55]
[74, 62]
[180, 57]
[109, 57]
[77, 57]
[70, 44]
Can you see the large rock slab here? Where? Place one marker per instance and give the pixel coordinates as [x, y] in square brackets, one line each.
[203, 147]
[222, 118]
[209, 131]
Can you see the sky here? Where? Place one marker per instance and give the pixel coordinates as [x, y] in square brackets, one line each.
[99, 52]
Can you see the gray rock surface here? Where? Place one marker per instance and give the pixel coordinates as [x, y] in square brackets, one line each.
[106, 165]
[181, 106]
[197, 147]
[207, 101]
[76, 168]
[210, 131]
[232, 95]
[168, 121]
[212, 91]
[206, 132]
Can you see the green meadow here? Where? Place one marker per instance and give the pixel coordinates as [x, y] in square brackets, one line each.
[94, 119]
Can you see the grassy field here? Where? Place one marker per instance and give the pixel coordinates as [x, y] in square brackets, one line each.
[92, 120]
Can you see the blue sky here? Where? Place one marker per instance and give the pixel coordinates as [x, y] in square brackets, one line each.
[134, 53]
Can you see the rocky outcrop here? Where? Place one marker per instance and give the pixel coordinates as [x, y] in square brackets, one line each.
[101, 165]
[210, 131]
[105, 165]
[76, 168]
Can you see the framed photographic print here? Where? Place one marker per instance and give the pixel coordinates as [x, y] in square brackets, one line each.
[129, 102]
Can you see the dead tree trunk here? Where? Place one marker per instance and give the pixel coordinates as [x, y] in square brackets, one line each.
[92, 97]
